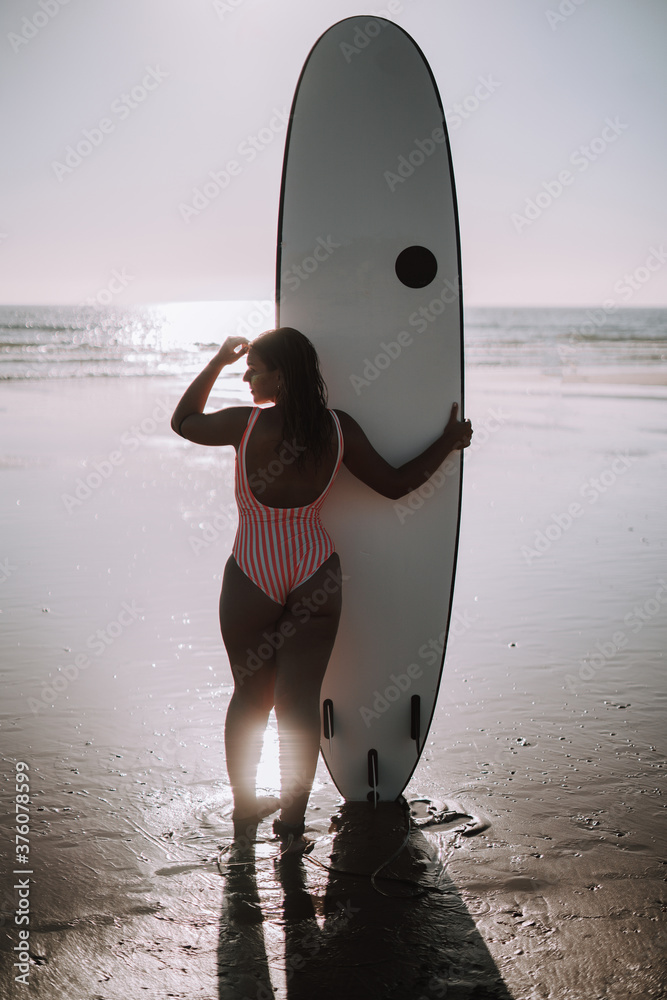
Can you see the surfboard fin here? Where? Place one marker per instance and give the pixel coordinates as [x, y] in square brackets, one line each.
[415, 720]
[373, 776]
[328, 720]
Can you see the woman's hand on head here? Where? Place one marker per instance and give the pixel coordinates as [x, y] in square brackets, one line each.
[233, 349]
[459, 431]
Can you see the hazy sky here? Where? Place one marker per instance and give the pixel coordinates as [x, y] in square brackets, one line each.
[169, 90]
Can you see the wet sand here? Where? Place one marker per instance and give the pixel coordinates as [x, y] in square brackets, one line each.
[548, 732]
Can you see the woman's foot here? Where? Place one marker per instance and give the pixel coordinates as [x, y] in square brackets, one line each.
[291, 838]
[245, 826]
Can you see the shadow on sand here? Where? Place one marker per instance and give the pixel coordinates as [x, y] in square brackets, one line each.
[338, 936]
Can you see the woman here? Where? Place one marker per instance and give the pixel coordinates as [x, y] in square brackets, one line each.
[278, 640]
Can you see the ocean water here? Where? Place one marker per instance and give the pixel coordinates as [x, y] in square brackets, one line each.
[175, 339]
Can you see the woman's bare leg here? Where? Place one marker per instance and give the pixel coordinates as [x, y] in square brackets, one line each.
[313, 611]
[246, 613]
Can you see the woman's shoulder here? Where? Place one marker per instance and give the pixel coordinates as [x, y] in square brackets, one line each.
[225, 426]
[237, 419]
[345, 420]
[241, 414]
[351, 433]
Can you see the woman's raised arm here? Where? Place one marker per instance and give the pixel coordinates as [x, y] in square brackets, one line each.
[366, 464]
[222, 427]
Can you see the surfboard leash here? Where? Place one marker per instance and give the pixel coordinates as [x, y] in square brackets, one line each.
[421, 890]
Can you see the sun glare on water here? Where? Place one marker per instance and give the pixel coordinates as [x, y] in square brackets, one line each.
[188, 325]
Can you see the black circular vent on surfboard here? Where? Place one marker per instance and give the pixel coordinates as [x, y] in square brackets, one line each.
[416, 267]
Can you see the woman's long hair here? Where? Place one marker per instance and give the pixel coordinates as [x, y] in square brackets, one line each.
[303, 394]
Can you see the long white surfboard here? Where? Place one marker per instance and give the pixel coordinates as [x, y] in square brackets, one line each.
[369, 269]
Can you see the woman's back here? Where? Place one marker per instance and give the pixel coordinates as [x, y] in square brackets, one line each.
[273, 475]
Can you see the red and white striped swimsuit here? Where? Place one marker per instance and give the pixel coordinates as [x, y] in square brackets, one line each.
[278, 548]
